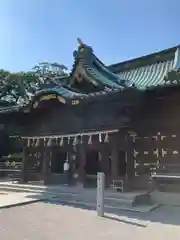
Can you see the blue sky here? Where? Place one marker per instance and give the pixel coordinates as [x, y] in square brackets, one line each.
[46, 30]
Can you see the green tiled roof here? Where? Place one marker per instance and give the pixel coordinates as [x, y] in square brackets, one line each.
[70, 94]
[96, 71]
[150, 75]
[143, 72]
[110, 75]
[147, 71]
[100, 78]
[151, 70]
[63, 91]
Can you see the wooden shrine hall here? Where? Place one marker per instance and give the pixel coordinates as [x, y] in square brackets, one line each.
[121, 119]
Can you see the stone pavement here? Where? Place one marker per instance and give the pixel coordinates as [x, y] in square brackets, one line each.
[45, 221]
[15, 199]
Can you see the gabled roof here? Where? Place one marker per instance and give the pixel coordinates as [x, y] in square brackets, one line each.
[88, 66]
[93, 70]
[67, 95]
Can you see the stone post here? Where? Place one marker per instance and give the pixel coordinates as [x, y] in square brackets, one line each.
[100, 194]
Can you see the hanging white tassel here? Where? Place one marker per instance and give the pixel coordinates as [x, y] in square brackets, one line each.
[81, 141]
[33, 142]
[61, 142]
[69, 140]
[37, 143]
[100, 138]
[49, 143]
[28, 143]
[90, 139]
[106, 139]
[44, 142]
[75, 141]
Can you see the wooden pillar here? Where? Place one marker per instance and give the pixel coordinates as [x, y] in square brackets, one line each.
[82, 163]
[104, 152]
[24, 173]
[46, 164]
[114, 143]
[114, 162]
[71, 153]
[129, 157]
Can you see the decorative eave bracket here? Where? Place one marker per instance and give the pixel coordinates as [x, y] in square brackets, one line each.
[176, 64]
[173, 76]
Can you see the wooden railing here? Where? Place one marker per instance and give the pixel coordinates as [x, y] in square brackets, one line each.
[118, 185]
[167, 177]
[11, 168]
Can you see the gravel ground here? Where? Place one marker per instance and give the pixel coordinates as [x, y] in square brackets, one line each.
[42, 221]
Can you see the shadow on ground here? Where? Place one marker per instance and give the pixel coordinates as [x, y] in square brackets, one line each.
[165, 214]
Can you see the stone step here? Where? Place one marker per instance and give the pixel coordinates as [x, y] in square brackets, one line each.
[108, 205]
[29, 186]
[83, 198]
[77, 193]
[86, 198]
[67, 196]
[35, 188]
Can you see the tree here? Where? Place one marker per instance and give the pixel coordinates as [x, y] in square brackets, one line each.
[19, 87]
[50, 72]
[16, 87]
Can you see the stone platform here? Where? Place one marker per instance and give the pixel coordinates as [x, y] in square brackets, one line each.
[132, 201]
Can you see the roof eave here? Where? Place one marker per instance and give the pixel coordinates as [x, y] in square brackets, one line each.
[152, 58]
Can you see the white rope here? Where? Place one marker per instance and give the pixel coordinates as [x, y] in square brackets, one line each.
[90, 140]
[70, 135]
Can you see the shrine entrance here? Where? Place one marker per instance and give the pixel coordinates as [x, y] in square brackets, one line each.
[57, 162]
[92, 166]
[122, 164]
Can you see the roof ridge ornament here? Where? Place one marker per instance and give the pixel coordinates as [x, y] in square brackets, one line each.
[80, 42]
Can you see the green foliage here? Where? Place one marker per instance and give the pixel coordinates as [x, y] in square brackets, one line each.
[50, 70]
[18, 87]
[14, 87]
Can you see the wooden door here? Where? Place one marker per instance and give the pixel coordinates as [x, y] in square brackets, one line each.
[145, 153]
[169, 148]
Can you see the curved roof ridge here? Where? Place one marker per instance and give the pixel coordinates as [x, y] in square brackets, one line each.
[96, 70]
[158, 56]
